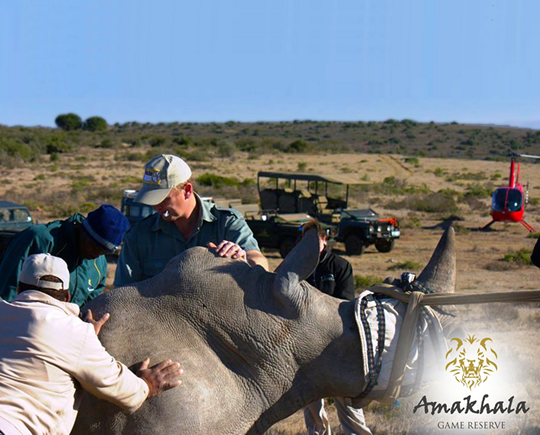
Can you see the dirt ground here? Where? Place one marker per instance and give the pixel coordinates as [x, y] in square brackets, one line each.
[479, 261]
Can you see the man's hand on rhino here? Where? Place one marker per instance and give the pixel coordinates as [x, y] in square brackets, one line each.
[161, 377]
[229, 250]
[97, 323]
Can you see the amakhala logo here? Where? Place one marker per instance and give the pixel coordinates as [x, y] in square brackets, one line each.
[471, 360]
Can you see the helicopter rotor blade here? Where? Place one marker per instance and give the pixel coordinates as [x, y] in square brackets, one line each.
[529, 156]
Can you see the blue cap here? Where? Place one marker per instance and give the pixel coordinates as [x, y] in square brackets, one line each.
[106, 226]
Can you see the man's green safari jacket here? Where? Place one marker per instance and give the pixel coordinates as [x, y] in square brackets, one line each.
[58, 238]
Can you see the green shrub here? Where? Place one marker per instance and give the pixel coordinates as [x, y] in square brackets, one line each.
[80, 184]
[130, 179]
[470, 176]
[57, 148]
[477, 189]
[298, 146]
[107, 143]
[182, 141]
[432, 203]
[362, 282]
[246, 144]
[415, 161]
[158, 141]
[226, 149]
[398, 186]
[521, 257]
[406, 265]
[302, 166]
[197, 155]
[410, 222]
[17, 150]
[217, 181]
[131, 157]
[439, 172]
[87, 207]
[475, 204]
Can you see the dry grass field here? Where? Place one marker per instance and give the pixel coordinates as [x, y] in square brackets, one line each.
[480, 254]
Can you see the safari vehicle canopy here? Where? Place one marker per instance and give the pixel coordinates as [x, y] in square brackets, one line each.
[291, 192]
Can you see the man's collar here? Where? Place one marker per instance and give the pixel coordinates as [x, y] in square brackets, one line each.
[206, 206]
[203, 208]
[37, 296]
[324, 254]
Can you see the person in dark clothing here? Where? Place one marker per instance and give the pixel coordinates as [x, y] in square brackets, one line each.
[333, 276]
[535, 257]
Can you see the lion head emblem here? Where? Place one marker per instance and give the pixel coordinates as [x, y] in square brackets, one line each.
[471, 360]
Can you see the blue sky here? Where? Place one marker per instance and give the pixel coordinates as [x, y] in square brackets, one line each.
[471, 61]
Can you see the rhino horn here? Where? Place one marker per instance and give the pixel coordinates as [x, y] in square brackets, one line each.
[440, 273]
[299, 264]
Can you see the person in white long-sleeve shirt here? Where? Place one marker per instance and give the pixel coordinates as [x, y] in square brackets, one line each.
[47, 353]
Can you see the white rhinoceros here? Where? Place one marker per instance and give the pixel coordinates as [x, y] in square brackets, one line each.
[255, 346]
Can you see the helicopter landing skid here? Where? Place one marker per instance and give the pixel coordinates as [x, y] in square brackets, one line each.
[485, 227]
[526, 225]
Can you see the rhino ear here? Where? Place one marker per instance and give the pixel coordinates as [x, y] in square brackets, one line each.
[299, 263]
[440, 273]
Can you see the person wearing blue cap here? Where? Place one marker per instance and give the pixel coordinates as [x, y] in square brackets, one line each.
[81, 242]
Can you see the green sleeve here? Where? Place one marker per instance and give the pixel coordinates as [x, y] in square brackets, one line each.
[129, 269]
[30, 241]
[102, 265]
[238, 231]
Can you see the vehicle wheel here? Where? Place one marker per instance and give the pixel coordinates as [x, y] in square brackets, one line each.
[354, 245]
[286, 246]
[384, 245]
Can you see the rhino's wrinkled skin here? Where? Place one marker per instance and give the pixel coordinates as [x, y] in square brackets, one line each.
[255, 346]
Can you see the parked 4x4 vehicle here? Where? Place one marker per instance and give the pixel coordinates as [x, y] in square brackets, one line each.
[13, 218]
[326, 198]
[276, 231]
[132, 210]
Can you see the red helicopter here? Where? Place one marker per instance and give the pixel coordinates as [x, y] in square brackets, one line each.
[508, 202]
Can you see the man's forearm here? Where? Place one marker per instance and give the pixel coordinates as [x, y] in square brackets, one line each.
[256, 258]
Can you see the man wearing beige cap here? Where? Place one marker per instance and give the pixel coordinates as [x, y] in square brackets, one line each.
[182, 220]
[47, 353]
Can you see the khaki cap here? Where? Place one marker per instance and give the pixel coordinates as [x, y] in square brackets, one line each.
[161, 174]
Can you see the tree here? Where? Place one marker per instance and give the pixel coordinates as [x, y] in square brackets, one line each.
[69, 121]
[95, 123]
